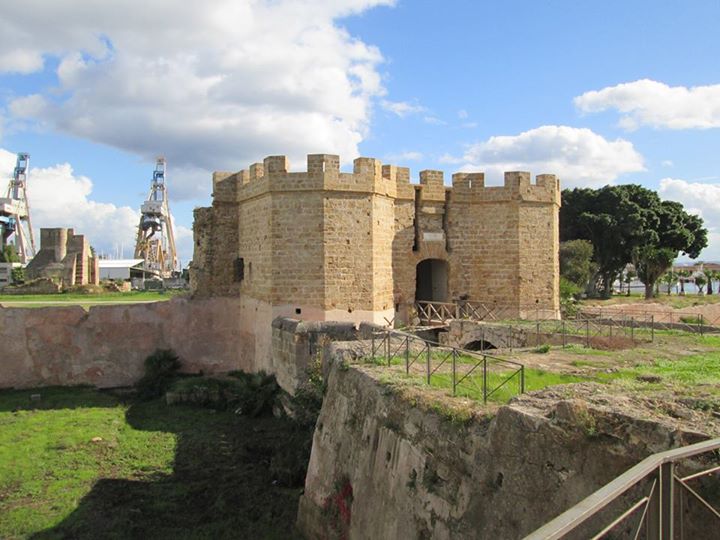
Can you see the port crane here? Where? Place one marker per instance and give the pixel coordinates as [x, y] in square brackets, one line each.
[155, 236]
[15, 224]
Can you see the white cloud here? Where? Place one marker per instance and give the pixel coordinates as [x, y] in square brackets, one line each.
[20, 61]
[462, 114]
[434, 121]
[667, 163]
[60, 198]
[212, 85]
[404, 156]
[701, 199]
[401, 108]
[578, 156]
[652, 103]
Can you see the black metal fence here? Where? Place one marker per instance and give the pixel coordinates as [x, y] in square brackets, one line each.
[467, 373]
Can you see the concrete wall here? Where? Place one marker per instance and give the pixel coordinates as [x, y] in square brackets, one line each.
[107, 345]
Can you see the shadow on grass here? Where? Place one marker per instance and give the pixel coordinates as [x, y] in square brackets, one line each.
[221, 485]
[56, 397]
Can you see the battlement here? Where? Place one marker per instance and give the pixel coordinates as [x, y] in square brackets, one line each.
[371, 176]
[517, 185]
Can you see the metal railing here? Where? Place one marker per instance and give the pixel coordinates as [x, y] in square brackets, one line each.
[435, 313]
[479, 374]
[697, 323]
[590, 332]
[442, 312]
[656, 509]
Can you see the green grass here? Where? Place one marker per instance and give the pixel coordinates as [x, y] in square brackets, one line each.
[44, 300]
[158, 472]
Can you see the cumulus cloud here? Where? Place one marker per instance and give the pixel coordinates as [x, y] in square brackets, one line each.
[698, 198]
[652, 103]
[578, 156]
[60, 198]
[212, 85]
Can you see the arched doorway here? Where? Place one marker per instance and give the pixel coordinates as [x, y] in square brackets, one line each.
[431, 281]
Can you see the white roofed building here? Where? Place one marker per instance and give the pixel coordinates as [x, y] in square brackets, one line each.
[120, 269]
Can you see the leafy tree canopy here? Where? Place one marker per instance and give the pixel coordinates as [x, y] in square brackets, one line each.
[626, 223]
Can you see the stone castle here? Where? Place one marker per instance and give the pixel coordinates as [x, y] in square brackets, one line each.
[367, 245]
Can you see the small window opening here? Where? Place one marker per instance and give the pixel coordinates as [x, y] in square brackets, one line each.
[239, 269]
[298, 311]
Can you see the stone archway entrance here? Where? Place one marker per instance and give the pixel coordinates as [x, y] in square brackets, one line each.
[431, 281]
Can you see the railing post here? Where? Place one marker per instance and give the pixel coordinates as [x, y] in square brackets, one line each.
[407, 355]
[701, 320]
[522, 379]
[632, 329]
[484, 379]
[653, 515]
[537, 333]
[564, 337]
[387, 348]
[652, 328]
[428, 364]
[372, 348]
[667, 499]
[454, 370]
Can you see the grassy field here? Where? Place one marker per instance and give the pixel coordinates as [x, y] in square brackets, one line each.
[80, 463]
[673, 300]
[85, 300]
[677, 362]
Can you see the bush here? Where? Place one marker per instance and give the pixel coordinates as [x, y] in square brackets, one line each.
[542, 349]
[253, 394]
[160, 371]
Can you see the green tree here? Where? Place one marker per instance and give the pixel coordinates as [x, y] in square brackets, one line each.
[710, 275]
[669, 278]
[700, 282]
[652, 262]
[576, 262]
[628, 278]
[683, 275]
[627, 224]
[9, 254]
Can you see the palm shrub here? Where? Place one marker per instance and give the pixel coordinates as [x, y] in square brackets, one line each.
[160, 370]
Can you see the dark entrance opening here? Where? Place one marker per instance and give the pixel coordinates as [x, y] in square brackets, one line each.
[431, 281]
[479, 345]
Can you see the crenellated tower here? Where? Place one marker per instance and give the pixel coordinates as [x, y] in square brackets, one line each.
[322, 244]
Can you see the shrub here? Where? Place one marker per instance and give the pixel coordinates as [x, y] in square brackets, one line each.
[253, 394]
[542, 349]
[160, 370]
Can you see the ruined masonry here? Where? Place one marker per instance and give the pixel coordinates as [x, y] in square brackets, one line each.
[367, 245]
[65, 257]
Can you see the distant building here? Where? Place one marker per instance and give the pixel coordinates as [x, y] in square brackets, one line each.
[64, 257]
[120, 269]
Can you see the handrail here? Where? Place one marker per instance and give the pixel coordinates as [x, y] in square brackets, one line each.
[591, 505]
[450, 355]
[440, 345]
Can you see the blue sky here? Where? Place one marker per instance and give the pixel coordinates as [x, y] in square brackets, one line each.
[605, 92]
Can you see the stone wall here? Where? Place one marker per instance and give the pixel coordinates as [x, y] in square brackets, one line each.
[296, 344]
[106, 346]
[384, 467]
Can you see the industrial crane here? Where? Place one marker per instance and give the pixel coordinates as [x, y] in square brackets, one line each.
[15, 225]
[155, 237]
